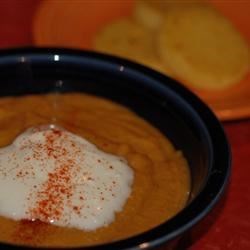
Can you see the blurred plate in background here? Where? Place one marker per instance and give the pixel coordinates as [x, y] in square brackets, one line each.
[74, 24]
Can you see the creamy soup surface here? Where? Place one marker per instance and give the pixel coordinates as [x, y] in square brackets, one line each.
[161, 178]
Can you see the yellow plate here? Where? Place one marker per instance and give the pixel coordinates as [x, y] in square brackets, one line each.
[73, 24]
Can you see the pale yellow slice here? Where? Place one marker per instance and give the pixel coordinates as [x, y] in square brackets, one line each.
[127, 39]
[150, 13]
[202, 47]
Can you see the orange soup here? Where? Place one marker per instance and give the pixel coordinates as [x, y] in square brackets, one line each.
[161, 184]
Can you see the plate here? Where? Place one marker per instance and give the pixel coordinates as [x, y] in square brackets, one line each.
[73, 24]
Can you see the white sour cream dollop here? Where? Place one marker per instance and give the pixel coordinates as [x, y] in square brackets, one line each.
[52, 175]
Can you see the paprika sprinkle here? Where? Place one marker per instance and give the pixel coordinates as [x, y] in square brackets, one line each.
[62, 179]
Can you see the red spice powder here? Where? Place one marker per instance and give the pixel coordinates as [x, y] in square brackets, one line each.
[58, 188]
[30, 232]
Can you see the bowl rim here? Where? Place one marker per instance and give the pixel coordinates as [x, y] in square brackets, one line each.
[221, 153]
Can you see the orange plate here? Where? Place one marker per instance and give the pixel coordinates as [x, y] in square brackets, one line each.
[73, 24]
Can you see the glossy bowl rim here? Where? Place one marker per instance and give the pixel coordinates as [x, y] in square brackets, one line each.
[212, 191]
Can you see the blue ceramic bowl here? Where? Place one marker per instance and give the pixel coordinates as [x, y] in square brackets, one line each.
[170, 107]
